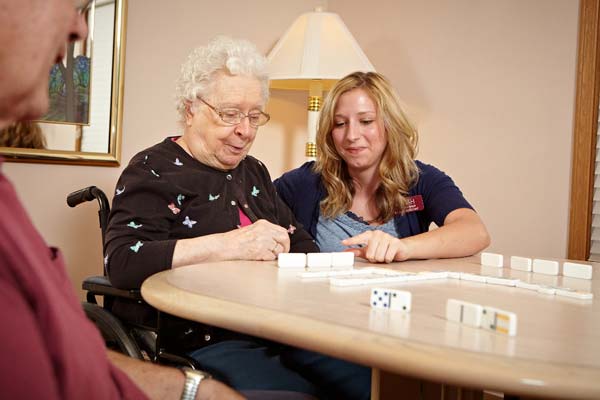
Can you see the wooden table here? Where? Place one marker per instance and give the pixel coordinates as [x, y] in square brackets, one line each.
[555, 354]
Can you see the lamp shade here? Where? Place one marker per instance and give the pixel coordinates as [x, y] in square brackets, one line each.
[318, 46]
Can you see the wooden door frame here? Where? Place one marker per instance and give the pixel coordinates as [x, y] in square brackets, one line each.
[584, 130]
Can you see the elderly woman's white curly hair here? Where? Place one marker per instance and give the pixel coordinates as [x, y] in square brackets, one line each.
[222, 54]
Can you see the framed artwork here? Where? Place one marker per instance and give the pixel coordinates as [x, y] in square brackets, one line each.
[69, 86]
[84, 122]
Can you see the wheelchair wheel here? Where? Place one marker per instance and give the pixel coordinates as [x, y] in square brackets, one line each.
[112, 331]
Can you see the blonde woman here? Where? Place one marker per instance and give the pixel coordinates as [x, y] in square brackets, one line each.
[366, 193]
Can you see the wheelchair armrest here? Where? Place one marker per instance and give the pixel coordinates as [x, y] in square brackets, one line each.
[101, 285]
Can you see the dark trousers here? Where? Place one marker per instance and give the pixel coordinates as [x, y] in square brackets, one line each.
[258, 365]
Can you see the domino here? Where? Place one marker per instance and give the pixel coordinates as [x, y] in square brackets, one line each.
[453, 275]
[520, 263]
[501, 281]
[342, 259]
[291, 260]
[472, 277]
[528, 286]
[583, 285]
[463, 312]
[380, 271]
[545, 267]
[380, 298]
[491, 271]
[492, 260]
[576, 270]
[575, 294]
[318, 260]
[348, 281]
[498, 320]
[401, 300]
[547, 290]
[357, 281]
[391, 299]
[427, 275]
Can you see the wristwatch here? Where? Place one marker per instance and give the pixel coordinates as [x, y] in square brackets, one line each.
[193, 378]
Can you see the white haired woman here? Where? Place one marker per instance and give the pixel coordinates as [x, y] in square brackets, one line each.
[200, 197]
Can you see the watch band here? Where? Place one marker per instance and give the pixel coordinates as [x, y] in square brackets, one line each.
[192, 380]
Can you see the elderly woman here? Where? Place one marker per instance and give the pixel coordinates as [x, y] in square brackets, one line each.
[367, 194]
[201, 197]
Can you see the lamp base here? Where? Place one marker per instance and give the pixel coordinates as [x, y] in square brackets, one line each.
[311, 149]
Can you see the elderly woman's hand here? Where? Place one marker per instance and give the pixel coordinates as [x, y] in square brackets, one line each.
[260, 241]
[378, 246]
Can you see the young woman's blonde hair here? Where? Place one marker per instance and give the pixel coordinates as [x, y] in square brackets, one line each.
[397, 169]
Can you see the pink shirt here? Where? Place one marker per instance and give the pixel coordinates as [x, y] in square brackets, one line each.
[244, 220]
[50, 350]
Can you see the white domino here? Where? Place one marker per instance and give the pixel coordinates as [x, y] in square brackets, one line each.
[318, 260]
[492, 260]
[472, 277]
[291, 260]
[342, 259]
[499, 321]
[545, 267]
[501, 281]
[463, 312]
[546, 289]
[528, 286]
[576, 270]
[391, 299]
[575, 294]
[520, 263]
[427, 275]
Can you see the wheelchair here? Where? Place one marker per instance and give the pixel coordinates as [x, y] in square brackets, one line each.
[140, 341]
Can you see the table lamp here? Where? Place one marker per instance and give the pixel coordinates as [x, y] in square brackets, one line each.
[316, 51]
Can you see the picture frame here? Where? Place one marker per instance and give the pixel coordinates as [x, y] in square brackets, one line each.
[97, 140]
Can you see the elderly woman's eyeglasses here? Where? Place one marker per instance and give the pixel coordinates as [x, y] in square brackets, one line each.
[82, 6]
[233, 116]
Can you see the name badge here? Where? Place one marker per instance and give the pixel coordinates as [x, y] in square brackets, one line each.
[415, 203]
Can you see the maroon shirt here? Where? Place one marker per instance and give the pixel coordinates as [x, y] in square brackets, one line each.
[48, 348]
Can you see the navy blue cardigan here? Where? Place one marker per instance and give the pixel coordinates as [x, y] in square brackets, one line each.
[303, 191]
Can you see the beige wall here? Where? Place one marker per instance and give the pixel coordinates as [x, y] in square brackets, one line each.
[489, 83]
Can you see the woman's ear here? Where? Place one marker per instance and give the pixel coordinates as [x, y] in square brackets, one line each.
[189, 113]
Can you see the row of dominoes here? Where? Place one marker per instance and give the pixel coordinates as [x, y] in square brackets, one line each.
[391, 299]
[378, 277]
[355, 272]
[375, 276]
[481, 316]
[463, 312]
[315, 260]
[548, 267]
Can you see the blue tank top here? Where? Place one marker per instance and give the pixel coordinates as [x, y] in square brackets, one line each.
[330, 232]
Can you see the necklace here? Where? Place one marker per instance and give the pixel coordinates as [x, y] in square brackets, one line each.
[358, 218]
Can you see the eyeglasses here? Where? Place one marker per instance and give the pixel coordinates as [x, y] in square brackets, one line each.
[233, 116]
[82, 6]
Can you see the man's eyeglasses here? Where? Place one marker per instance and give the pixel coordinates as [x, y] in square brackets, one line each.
[82, 6]
[233, 116]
